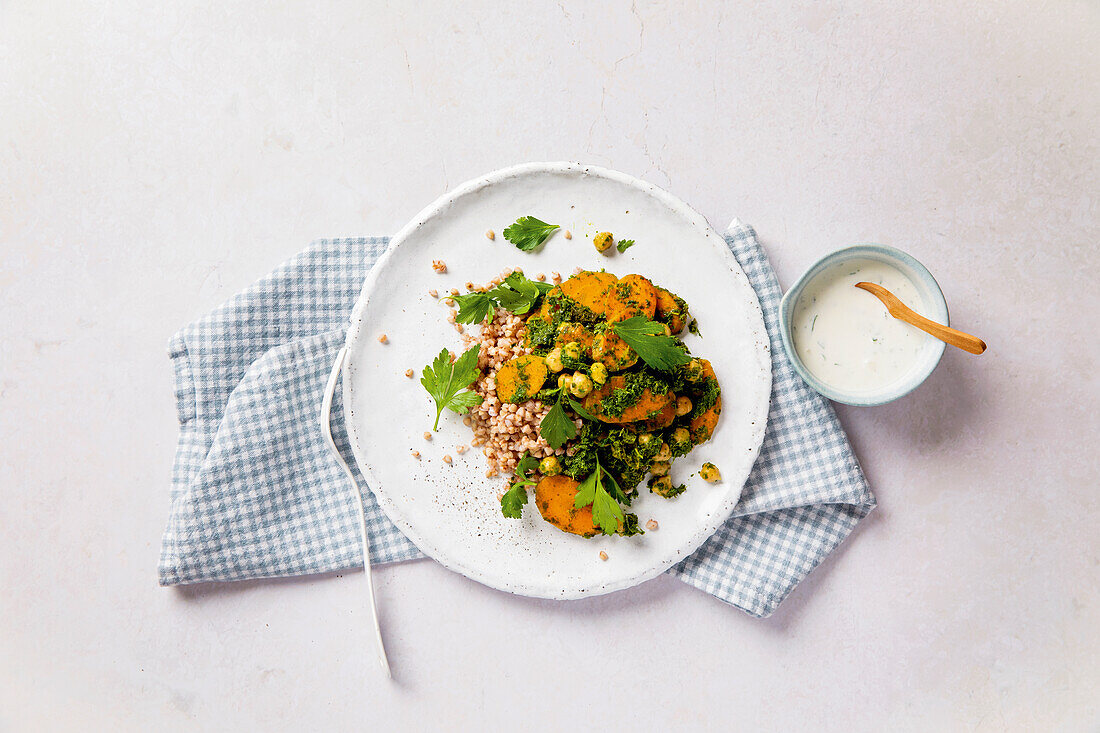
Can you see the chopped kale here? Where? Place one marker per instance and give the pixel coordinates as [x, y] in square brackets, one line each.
[706, 399]
[635, 384]
[540, 334]
[630, 526]
[565, 308]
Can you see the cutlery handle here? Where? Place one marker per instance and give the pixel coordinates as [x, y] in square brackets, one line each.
[964, 341]
[902, 312]
[326, 429]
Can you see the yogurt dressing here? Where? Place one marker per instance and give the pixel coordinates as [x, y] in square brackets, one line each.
[844, 335]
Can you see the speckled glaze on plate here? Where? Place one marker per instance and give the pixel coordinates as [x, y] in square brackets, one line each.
[451, 512]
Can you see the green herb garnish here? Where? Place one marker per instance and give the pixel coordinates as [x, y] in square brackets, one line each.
[578, 408]
[556, 428]
[473, 307]
[446, 382]
[624, 245]
[518, 294]
[634, 385]
[648, 338]
[604, 498]
[515, 498]
[630, 526]
[513, 501]
[528, 232]
[526, 465]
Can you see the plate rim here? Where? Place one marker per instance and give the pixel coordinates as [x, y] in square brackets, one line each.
[357, 326]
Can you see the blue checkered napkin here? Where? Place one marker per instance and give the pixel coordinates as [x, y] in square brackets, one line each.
[255, 493]
[806, 491]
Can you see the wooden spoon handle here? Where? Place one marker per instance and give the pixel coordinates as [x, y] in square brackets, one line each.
[964, 341]
[902, 312]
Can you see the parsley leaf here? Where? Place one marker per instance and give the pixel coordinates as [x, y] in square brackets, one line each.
[624, 245]
[606, 512]
[465, 400]
[578, 408]
[586, 491]
[556, 428]
[447, 382]
[528, 232]
[511, 504]
[514, 499]
[527, 464]
[518, 294]
[648, 338]
[613, 488]
[473, 307]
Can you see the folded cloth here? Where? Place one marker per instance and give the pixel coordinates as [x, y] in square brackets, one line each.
[256, 494]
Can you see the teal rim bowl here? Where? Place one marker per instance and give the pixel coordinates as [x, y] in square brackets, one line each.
[934, 307]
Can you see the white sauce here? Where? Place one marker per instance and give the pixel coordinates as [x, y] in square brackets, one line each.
[844, 335]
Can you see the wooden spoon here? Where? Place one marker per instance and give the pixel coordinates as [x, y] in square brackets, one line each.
[902, 312]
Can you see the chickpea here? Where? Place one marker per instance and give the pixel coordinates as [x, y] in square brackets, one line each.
[645, 439]
[564, 381]
[603, 241]
[693, 370]
[572, 350]
[660, 468]
[683, 405]
[661, 486]
[553, 360]
[550, 466]
[599, 348]
[599, 373]
[664, 454]
[680, 441]
[581, 385]
[710, 473]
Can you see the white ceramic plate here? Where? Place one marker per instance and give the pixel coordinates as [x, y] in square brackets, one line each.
[451, 512]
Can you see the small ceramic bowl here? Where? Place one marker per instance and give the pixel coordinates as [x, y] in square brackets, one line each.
[935, 307]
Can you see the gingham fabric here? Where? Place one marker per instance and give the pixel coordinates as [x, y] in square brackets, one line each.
[255, 493]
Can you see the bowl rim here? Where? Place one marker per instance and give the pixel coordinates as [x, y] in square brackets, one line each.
[937, 306]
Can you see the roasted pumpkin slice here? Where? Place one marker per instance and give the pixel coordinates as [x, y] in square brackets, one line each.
[702, 426]
[704, 417]
[590, 290]
[569, 331]
[554, 496]
[661, 420]
[520, 379]
[545, 312]
[614, 403]
[613, 352]
[671, 310]
[633, 295]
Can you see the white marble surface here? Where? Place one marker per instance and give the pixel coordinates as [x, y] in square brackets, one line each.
[154, 161]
